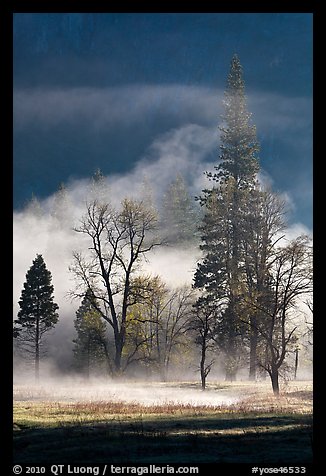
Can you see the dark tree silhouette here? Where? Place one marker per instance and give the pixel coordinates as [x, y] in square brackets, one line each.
[38, 312]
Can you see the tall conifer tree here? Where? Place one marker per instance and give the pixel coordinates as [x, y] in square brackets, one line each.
[219, 273]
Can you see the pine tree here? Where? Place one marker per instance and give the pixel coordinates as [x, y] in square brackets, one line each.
[220, 272]
[99, 189]
[37, 313]
[62, 208]
[179, 213]
[34, 208]
[90, 348]
[239, 146]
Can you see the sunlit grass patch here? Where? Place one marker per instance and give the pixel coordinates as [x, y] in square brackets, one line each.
[297, 399]
[257, 425]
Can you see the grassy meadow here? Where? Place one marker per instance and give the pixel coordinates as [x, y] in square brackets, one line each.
[167, 423]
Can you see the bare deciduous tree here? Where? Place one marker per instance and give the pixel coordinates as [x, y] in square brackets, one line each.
[172, 325]
[203, 327]
[263, 223]
[160, 321]
[119, 240]
[289, 281]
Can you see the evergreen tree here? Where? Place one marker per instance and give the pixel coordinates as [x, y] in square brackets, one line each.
[220, 272]
[90, 349]
[239, 146]
[61, 208]
[37, 313]
[179, 213]
[34, 208]
[99, 189]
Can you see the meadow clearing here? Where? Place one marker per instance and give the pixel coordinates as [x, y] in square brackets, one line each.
[163, 423]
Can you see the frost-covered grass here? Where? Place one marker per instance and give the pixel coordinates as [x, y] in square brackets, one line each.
[246, 424]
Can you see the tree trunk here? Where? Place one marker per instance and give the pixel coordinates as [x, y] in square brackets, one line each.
[296, 363]
[37, 364]
[230, 366]
[203, 379]
[37, 351]
[253, 353]
[230, 375]
[231, 349]
[117, 357]
[117, 364]
[163, 373]
[274, 379]
[202, 367]
[88, 361]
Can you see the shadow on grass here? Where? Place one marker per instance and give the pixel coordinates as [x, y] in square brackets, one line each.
[281, 439]
[302, 394]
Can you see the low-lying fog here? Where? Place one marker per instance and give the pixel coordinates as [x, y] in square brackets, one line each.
[131, 392]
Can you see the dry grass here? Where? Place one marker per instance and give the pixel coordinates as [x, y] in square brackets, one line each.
[256, 427]
[297, 399]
